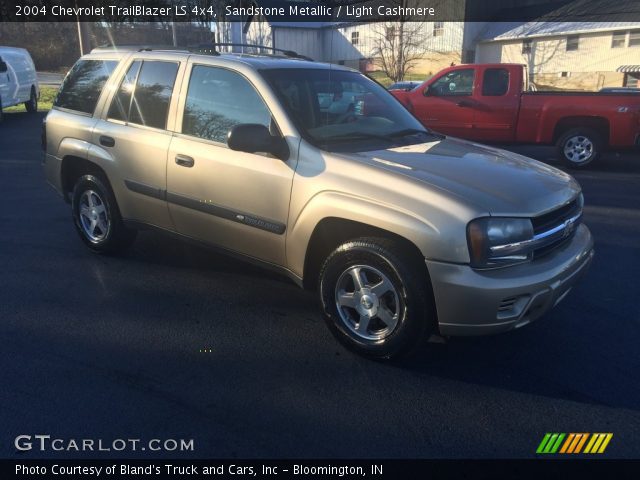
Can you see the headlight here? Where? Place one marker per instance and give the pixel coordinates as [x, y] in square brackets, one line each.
[497, 242]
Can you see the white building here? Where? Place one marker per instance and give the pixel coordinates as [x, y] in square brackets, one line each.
[582, 55]
[354, 44]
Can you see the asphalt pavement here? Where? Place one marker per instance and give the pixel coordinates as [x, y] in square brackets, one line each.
[174, 342]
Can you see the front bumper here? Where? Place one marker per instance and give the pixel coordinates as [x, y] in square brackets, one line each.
[474, 302]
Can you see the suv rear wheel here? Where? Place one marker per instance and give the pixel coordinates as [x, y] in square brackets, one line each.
[97, 217]
[579, 147]
[375, 298]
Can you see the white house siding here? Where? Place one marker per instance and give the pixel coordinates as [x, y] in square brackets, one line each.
[439, 51]
[305, 41]
[591, 67]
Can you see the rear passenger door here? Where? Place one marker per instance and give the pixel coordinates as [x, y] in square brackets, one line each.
[134, 134]
[235, 200]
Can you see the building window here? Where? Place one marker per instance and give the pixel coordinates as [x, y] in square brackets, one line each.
[438, 29]
[526, 46]
[572, 42]
[618, 39]
[390, 33]
[634, 38]
[355, 38]
[565, 74]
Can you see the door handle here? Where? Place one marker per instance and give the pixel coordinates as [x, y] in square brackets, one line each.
[184, 161]
[464, 103]
[107, 141]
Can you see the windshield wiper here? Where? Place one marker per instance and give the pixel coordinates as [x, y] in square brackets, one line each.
[360, 135]
[415, 131]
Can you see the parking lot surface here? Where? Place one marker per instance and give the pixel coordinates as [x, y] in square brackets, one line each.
[172, 341]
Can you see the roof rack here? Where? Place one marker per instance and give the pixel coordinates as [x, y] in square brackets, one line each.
[138, 48]
[212, 48]
[204, 49]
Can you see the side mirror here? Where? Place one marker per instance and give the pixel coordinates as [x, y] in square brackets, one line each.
[253, 137]
[3, 67]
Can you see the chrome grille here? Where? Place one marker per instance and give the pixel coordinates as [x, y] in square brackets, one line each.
[557, 226]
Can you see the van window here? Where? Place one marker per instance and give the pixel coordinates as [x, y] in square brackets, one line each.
[495, 82]
[145, 94]
[82, 86]
[218, 99]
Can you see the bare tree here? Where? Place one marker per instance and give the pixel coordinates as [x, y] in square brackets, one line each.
[397, 47]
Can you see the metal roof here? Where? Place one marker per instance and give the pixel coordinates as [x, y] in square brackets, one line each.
[511, 30]
[628, 68]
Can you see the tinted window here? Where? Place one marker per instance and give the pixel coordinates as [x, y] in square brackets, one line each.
[457, 82]
[121, 103]
[495, 82]
[82, 86]
[152, 95]
[218, 99]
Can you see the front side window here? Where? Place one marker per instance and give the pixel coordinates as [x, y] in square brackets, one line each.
[457, 82]
[82, 86]
[218, 99]
[495, 82]
[338, 109]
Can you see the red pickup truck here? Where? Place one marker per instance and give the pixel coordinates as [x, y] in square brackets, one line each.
[492, 103]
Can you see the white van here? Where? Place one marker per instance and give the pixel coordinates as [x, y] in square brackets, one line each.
[18, 79]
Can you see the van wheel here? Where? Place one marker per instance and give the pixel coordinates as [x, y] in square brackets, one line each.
[97, 217]
[579, 147]
[376, 299]
[32, 104]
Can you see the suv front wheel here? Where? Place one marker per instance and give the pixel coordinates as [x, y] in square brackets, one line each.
[97, 217]
[376, 299]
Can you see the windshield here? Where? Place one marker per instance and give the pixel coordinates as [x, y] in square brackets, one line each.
[334, 107]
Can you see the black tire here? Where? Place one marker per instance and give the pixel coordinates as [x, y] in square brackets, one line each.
[579, 147]
[93, 201]
[32, 104]
[411, 300]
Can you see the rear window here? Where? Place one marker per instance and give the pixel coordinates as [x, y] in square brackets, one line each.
[81, 88]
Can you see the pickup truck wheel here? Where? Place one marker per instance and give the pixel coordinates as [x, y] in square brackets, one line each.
[579, 147]
[375, 299]
[97, 217]
[32, 104]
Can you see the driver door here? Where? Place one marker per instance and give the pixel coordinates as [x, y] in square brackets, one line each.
[235, 200]
[446, 105]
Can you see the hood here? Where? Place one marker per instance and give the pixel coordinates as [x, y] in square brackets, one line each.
[500, 182]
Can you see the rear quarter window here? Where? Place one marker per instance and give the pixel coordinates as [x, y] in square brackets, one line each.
[81, 88]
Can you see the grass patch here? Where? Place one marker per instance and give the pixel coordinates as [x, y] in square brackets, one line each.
[47, 94]
[380, 77]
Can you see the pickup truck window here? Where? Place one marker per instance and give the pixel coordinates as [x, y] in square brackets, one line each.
[495, 82]
[82, 86]
[455, 83]
[218, 99]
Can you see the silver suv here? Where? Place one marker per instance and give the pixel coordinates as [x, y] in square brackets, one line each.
[403, 232]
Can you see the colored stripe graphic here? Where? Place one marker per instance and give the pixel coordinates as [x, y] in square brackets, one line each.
[573, 443]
